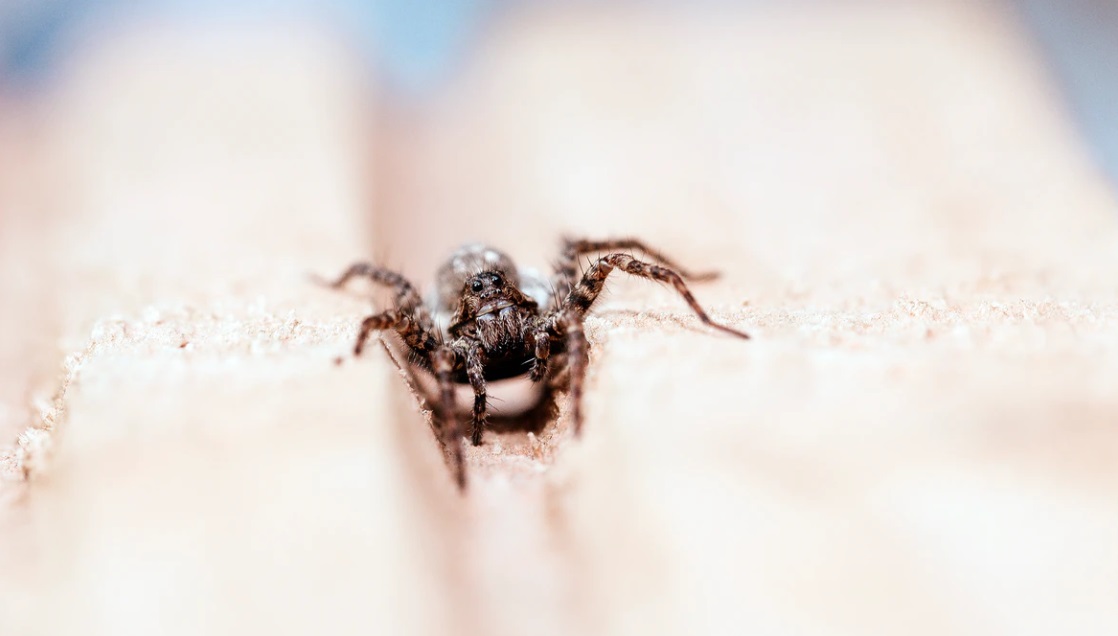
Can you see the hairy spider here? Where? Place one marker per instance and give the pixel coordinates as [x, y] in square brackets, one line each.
[503, 322]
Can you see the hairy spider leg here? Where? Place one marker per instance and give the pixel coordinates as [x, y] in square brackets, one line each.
[443, 362]
[542, 353]
[475, 371]
[410, 319]
[407, 298]
[567, 269]
[583, 295]
[586, 292]
[578, 361]
[413, 335]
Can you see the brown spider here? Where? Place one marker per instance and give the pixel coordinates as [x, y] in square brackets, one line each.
[505, 322]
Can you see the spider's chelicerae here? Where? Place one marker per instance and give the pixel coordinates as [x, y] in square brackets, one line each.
[502, 322]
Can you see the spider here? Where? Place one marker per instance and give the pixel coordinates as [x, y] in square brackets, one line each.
[503, 322]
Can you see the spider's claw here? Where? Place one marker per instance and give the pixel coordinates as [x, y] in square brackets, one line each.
[730, 330]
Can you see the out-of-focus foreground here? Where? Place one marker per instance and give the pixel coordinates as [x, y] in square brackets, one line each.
[919, 438]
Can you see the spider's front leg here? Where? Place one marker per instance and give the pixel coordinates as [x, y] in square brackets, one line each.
[568, 322]
[475, 371]
[586, 292]
[573, 249]
[407, 297]
[578, 360]
[542, 352]
[410, 318]
[443, 362]
[409, 329]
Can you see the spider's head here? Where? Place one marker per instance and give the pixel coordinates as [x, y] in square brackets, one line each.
[488, 294]
[486, 284]
[481, 286]
[469, 262]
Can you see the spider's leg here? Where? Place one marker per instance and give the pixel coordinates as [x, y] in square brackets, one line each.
[407, 297]
[419, 339]
[567, 269]
[410, 318]
[578, 361]
[475, 371]
[377, 322]
[586, 292]
[542, 351]
[443, 361]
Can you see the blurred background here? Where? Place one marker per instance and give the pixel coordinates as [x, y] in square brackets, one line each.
[415, 48]
[912, 204]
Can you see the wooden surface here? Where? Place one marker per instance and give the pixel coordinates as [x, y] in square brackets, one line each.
[919, 439]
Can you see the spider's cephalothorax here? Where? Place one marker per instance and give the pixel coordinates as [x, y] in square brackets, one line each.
[502, 322]
[494, 312]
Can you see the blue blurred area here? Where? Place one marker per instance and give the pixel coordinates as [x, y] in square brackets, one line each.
[416, 44]
[30, 31]
[1080, 39]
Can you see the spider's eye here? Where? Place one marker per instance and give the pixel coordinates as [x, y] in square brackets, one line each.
[476, 286]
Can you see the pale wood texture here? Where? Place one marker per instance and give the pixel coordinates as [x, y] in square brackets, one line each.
[919, 439]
